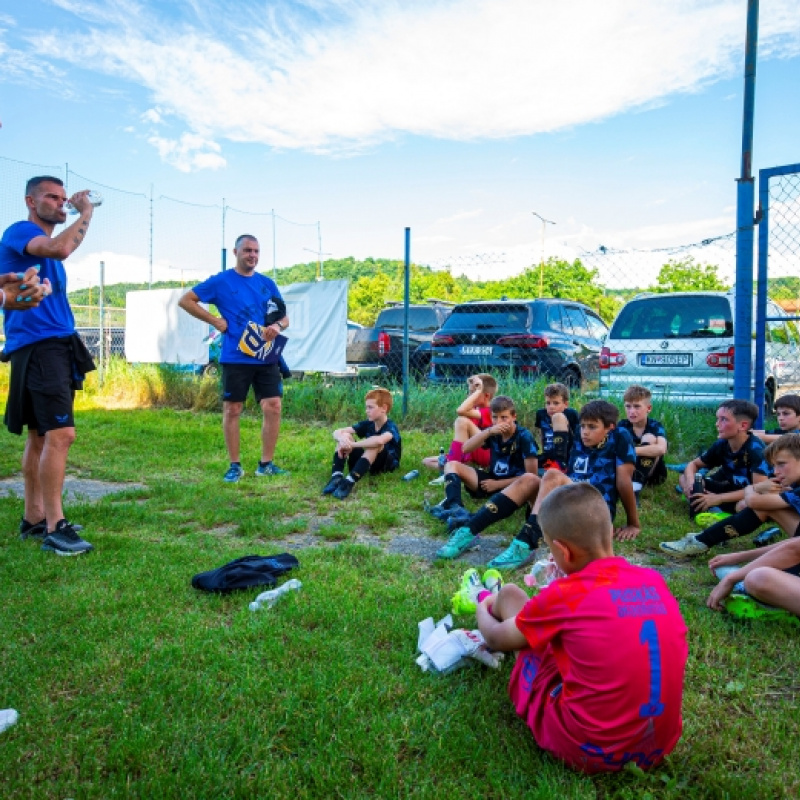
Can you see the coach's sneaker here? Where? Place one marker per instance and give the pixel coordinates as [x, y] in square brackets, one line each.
[270, 468]
[745, 606]
[63, 541]
[343, 490]
[707, 518]
[517, 554]
[234, 473]
[37, 530]
[333, 483]
[492, 580]
[684, 548]
[460, 541]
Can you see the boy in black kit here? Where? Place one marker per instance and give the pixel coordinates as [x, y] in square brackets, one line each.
[378, 448]
[558, 427]
[602, 456]
[738, 455]
[787, 410]
[649, 438]
[513, 453]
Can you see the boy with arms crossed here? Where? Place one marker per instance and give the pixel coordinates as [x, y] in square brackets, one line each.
[602, 652]
[558, 427]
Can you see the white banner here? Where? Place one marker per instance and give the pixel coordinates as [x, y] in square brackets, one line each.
[157, 331]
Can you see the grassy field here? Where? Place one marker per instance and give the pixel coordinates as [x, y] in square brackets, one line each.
[129, 683]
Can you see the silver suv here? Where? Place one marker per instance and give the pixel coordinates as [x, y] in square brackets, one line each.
[680, 346]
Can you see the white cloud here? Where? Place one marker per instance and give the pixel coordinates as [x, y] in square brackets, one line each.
[152, 115]
[337, 76]
[189, 153]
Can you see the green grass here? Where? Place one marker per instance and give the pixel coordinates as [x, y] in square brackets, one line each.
[129, 683]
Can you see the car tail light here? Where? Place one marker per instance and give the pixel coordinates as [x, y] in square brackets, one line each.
[609, 359]
[384, 343]
[442, 341]
[525, 340]
[723, 360]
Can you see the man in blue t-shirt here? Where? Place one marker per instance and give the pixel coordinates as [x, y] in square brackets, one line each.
[252, 316]
[48, 360]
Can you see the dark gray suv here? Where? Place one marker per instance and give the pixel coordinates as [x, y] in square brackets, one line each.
[552, 338]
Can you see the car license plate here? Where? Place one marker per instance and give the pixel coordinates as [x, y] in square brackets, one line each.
[476, 350]
[666, 359]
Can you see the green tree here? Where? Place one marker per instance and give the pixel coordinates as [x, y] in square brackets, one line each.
[688, 276]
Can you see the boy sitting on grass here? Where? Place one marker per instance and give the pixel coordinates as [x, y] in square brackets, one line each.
[602, 652]
[603, 456]
[513, 453]
[378, 450]
[472, 416]
[770, 574]
[777, 499]
[558, 427]
[787, 410]
[739, 457]
[649, 437]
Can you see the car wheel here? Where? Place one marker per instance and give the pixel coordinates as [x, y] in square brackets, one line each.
[212, 369]
[571, 379]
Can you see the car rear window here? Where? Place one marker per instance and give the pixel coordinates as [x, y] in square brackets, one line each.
[674, 317]
[419, 319]
[488, 316]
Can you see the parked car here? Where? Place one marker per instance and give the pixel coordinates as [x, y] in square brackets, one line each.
[383, 344]
[680, 345]
[550, 337]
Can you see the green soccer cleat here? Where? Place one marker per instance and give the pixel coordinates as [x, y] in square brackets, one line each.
[460, 541]
[517, 554]
[744, 606]
[707, 518]
[493, 581]
[465, 600]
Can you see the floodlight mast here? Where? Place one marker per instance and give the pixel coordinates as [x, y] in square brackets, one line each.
[545, 223]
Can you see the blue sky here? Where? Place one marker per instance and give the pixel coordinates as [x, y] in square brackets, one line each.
[620, 120]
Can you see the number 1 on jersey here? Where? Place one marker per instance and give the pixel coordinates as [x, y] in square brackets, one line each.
[649, 636]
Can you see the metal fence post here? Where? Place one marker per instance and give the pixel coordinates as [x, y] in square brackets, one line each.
[101, 339]
[406, 293]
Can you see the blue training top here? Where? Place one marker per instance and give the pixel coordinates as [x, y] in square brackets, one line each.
[240, 300]
[52, 318]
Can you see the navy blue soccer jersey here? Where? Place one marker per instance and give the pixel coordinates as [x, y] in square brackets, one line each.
[652, 426]
[545, 426]
[393, 448]
[792, 497]
[507, 458]
[598, 465]
[736, 468]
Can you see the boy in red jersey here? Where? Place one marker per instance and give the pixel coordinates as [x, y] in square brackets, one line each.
[599, 675]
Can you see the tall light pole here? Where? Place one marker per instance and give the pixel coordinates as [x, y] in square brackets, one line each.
[319, 255]
[545, 223]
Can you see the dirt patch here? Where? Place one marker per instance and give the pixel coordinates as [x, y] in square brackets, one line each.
[75, 489]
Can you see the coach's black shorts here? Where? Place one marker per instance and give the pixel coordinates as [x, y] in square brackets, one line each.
[237, 379]
[47, 402]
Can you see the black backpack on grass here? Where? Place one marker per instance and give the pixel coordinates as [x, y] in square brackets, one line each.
[245, 573]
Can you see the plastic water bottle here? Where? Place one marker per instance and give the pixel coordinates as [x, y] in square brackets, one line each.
[95, 198]
[409, 476]
[698, 488]
[271, 597]
[442, 460]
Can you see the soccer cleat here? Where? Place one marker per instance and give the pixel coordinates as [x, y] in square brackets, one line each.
[333, 483]
[233, 474]
[460, 541]
[437, 481]
[443, 510]
[63, 541]
[465, 600]
[744, 606]
[270, 469]
[768, 536]
[517, 554]
[459, 518]
[684, 548]
[343, 490]
[706, 519]
[36, 530]
[492, 580]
